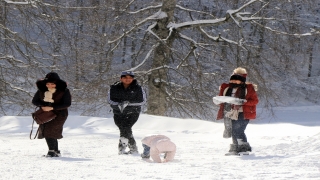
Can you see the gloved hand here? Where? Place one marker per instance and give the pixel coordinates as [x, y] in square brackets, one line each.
[123, 105]
[126, 102]
[239, 101]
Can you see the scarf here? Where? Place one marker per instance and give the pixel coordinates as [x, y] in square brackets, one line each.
[240, 93]
[48, 95]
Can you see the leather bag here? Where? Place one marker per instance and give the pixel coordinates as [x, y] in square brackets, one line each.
[42, 117]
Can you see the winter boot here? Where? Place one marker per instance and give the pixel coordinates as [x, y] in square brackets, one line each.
[132, 145]
[244, 147]
[145, 156]
[58, 153]
[133, 149]
[233, 150]
[123, 142]
[52, 153]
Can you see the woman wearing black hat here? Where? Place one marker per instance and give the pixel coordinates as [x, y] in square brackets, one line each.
[126, 98]
[236, 116]
[52, 95]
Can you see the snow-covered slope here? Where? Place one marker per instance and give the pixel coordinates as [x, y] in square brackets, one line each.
[287, 147]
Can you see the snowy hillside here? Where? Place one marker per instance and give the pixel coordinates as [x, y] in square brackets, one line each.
[287, 147]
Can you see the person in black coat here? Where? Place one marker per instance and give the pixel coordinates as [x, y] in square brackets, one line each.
[126, 98]
[52, 95]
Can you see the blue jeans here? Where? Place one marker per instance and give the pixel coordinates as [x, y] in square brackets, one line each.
[146, 150]
[238, 128]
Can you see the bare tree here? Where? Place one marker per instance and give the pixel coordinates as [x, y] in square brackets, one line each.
[181, 51]
[178, 77]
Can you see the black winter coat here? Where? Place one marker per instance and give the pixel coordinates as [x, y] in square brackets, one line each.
[134, 94]
[62, 100]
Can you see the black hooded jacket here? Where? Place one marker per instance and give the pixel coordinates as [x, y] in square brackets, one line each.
[61, 90]
[62, 100]
[134, 94]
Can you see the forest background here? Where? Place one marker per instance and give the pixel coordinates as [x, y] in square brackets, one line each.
[181, 51]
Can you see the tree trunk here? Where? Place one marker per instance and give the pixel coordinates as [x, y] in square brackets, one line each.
[157, 80]
[57, 40]
[310, 52]
[78, 47]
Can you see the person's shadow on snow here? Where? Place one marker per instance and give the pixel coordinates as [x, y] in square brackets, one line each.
[71, 159]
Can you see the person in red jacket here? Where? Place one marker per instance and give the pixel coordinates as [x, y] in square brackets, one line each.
[237, 116]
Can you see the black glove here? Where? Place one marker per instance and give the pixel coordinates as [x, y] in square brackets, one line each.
[49, 104]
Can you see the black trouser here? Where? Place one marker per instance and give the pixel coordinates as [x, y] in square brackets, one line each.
[52, 144]
[125, 123]
[238, 128]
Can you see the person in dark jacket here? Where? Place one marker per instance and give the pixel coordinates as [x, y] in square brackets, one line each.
[52, 95]
[126, 98]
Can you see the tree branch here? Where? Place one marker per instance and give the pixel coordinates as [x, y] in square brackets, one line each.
[312, 32]
[191, 10]
[190, 52]
[147, 8]
[158, 15]
[229, 14]
[145, 59]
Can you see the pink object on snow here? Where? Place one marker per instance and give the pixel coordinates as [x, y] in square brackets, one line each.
[160, 144]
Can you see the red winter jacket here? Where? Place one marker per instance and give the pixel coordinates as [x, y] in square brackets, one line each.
[249, 107]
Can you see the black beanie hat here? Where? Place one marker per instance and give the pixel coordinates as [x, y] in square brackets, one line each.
[239, 74]
[238, 77]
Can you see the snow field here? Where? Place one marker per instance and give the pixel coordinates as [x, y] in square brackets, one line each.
[287, 147]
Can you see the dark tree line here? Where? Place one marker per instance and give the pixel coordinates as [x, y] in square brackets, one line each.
[181, 51]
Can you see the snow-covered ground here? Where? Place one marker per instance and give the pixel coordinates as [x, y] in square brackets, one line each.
[287, 147]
